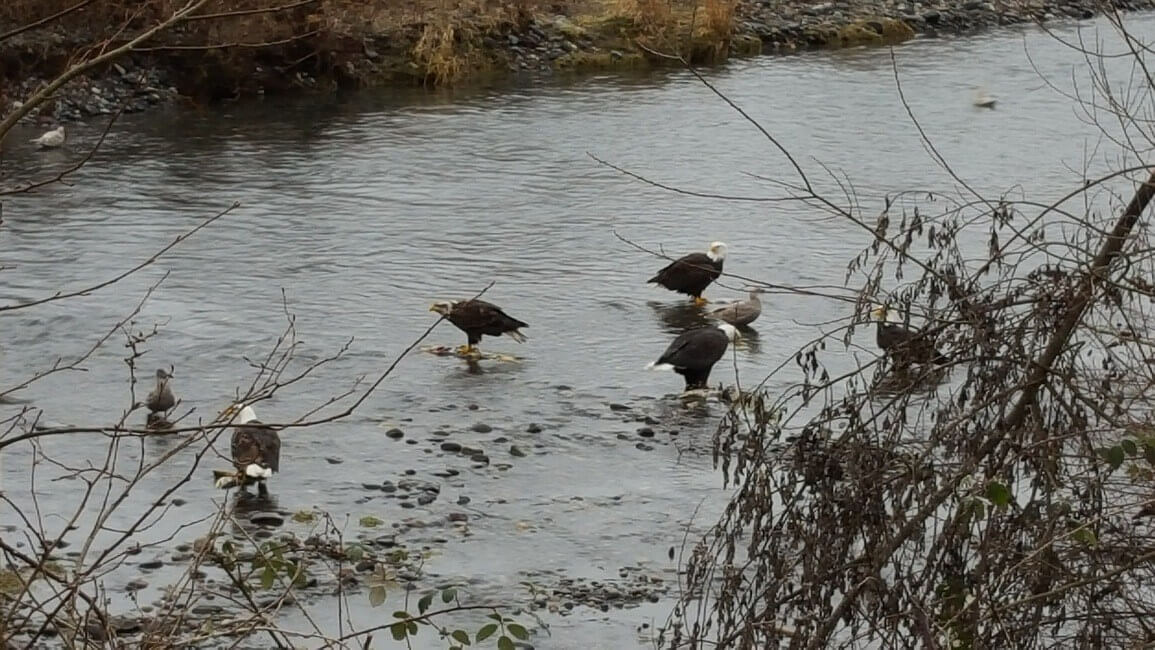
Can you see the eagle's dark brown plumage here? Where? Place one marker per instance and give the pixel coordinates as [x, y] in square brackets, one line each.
[691, 274]
[477, 318]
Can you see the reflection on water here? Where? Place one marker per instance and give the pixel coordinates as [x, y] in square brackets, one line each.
[359, 211]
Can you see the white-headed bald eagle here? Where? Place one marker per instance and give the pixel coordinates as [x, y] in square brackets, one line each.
[476, 318]
[694, 352]
[904, 345]
[692, 273]
[256, 450]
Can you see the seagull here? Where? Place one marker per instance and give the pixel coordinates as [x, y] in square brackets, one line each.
[160, 400]
[740, 313]
[983, 100]
[50, 139]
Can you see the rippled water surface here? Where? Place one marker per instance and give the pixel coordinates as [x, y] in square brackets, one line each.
[364, 210]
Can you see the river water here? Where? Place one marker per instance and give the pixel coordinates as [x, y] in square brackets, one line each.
[365, 209]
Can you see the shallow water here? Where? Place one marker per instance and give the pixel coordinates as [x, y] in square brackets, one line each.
[364, 210]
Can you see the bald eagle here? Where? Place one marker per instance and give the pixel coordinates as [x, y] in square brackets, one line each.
[904, 345]
[692, 273]
[476, 318]
[256, 450]
[694, 352]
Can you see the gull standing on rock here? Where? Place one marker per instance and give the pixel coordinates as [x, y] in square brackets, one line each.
[740, 313]
[160, 400]
[50, 139]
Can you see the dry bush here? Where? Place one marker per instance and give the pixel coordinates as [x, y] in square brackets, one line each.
[719, 19]
[438, 56]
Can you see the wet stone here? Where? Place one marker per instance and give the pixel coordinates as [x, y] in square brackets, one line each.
[371, 486]
[482, 427]
[473, 407]
[266, 519]
[152, 564]
[395, 433]
[411, 441]
[410, 472]
[450, 446]
[458, 516]
[426, 499]
[480, 458]
[533, 428]
[408, 504]
[334, 461]
[178, 502]
[365, 566]
[619, 407]
[646, 432]
[514, 450]
[135, 585]
[644, 447]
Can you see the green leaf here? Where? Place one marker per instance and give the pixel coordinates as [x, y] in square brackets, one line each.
[1149, 452]
[517, 631]
[448, 595]
[399, 630]
[505, 643]
[979, 508]
[412, 628]
[400, 614]
[496, 617]
[376, 596]
[998, 494]
[369, 521]
[1085, 535]
[355, 552]
[486, 631]
[1130, 447]
[267, 577]
[1115, 456]
[424, 603]
[303, 516]
[460, 636]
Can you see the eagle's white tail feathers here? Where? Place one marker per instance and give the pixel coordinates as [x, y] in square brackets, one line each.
[516, 336]
[226, 482]
[654, 365]
[256, 471]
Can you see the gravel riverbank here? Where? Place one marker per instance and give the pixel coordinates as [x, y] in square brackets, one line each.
[534, 43]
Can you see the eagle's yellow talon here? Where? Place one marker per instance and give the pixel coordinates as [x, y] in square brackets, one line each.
[700, 301]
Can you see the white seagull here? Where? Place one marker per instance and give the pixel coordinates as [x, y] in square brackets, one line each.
[50, 139]
[983, 100]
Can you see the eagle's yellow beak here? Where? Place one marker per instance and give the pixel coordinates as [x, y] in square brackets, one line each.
[878, 312]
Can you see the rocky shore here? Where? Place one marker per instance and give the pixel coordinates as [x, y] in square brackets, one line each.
[535, 43]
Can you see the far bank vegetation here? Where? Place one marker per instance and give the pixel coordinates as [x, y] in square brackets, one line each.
[224, 45]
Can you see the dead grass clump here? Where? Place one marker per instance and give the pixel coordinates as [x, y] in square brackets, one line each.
[437, 56]
[719, 19]
[649, 16]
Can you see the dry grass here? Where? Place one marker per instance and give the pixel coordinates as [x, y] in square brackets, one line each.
[719, 18]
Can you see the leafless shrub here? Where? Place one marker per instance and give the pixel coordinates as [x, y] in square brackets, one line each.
[998, 503]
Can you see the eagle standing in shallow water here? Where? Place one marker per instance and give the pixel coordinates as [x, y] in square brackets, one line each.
[903, 344]
[692, 273]
[694, 352]
[256, 450]
[476, 318]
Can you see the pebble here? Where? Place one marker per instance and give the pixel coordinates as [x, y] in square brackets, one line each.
[463, 500]
[514, 450]
[334, 461]
[482, 427]
[457, 516]
[135, 585]
[152, 564]
[450, 446]
[646, 432]
[395, 433]
[533, 428]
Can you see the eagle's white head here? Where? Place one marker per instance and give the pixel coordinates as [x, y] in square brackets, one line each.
[883, 313]
[717, 251]
[244, 413]
[442, 307]
[730, 330]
